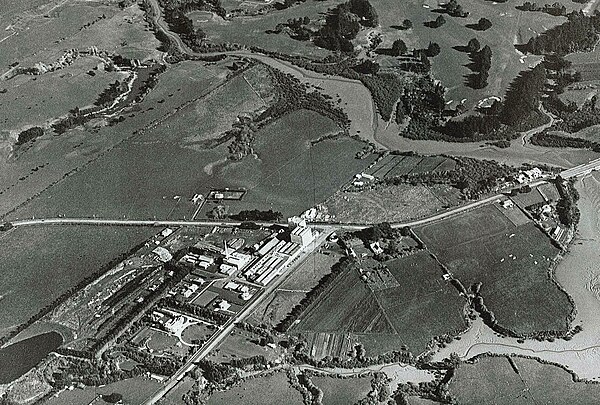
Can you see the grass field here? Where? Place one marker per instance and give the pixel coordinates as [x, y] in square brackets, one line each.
[494, 380]
[338, 391]
[49, 159]
[253, 391]
[526, 199]
[294, 288]
[37, 34]
[242, 344]
[512, 263]
[420, 307]
[135, 391]
[213, 115]
[47, 261]
[34, 100]
[275, 309]
[390, 203]
[158, 180]
[194, 334]
[251, 31]
[510, 26]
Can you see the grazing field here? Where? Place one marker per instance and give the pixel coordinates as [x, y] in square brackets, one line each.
[495, 380]
[526, 199]
[294, 288]
[242, 344]
[210, 117]
[253, 391]
[49, 159]
[587, 63]
[394, 203]
[509, 26]
[311, 270]
[401, 165]
[47, 261]
[159, 180]
[420, 307]
[510, 261]
[348, 306]
[134, 390]
[338, 391]
[252, 31]
[35, 100]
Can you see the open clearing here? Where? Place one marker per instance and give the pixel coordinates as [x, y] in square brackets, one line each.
[34, 100]
[509, 26]
[213, 115]
[251, 31]
[511, 261]
[342, 391]
[158, 180]
[422, 306]
[493, 379]
[49, 160]
[390, 203]
[253, 391]
[134, 391]
[47, 261]
[241, 344]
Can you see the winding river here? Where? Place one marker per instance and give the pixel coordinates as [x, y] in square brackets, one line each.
[579, 274]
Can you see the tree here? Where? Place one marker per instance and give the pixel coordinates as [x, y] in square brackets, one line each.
[407, 24]
[399, 47]
[439, 21]
[484, 24]
[219, 212]
[473, 45]
[433, 49]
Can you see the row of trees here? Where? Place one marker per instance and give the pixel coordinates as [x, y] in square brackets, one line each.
[472, 176]
[481, 63]
[29, 135]
[579, 33]
[555, 9]
[324, 283]
[258, 215]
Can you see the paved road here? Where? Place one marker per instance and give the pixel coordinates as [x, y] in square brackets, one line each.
[226, 329]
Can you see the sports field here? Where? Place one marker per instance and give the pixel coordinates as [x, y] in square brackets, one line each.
[510, 261]
[495, 380]
[420, 307]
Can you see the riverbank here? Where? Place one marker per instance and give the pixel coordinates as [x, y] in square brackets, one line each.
[579, 274]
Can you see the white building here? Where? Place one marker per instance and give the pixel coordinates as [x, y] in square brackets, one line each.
[237, 260]
[302, 236]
